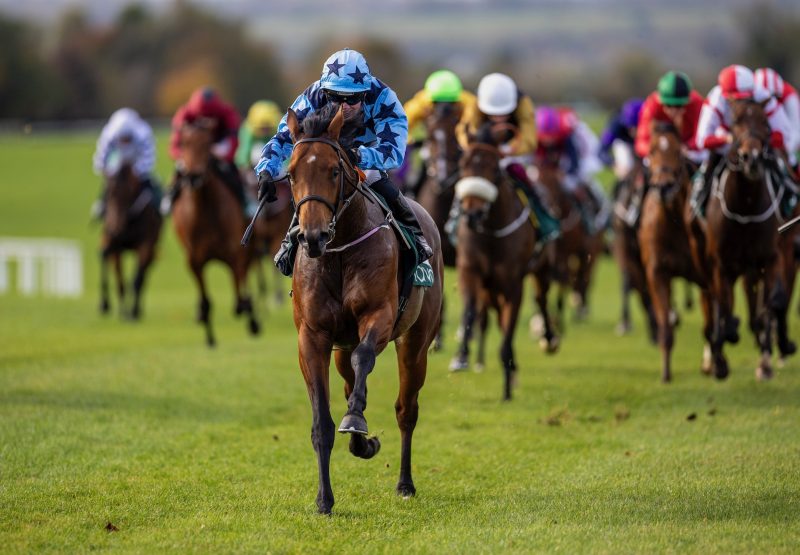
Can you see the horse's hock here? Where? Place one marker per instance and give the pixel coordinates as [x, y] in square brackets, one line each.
[51, 266]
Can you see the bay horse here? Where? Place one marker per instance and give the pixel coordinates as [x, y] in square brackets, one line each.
[437, 191]
[742, 237]
[626, 251]
[132, 222]
[576, 250]
[209, 222]
[664, 235]
[496, 243]
[345, 295]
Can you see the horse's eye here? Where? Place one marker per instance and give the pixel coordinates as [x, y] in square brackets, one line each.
[335, 172]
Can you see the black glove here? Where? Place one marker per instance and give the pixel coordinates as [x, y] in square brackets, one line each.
[353, 156]
[266, 187]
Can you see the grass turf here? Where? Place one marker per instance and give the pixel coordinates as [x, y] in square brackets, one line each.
[182, 448]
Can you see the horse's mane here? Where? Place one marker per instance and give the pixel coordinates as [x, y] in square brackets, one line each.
[317, 123]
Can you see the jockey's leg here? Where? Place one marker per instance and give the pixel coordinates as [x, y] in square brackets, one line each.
[172, 194]
[573, 186]
[98, 210]
[284, 258]
[233, 179]
[702, 181]
[549, 226]
[402, 212]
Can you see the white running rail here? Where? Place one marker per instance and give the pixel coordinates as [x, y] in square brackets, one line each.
[53, 267]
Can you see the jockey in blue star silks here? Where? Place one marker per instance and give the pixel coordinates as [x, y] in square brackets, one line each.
[346, 81]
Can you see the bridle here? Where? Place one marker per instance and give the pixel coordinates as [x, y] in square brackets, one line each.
[342, 201]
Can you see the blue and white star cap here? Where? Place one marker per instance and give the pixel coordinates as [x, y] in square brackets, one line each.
[346, 71]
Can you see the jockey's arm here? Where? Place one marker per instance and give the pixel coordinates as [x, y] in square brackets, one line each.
[391, 130]
[275, 154]
[145, 150]
[526, 142]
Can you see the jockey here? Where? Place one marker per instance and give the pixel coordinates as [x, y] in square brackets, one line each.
[442, 86]
[617, 139]
[786, 96]
[501, 101]
[346, 81]
[126, 138]
[205, 105]
[258, 128]
[735, 82]
[575, 145]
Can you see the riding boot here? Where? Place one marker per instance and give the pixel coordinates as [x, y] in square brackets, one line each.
[285, 257]
[602, 217]
[701, 183]
[549, 227]
[168, 201]
[230, 175]
[98, 210]
[404, 214]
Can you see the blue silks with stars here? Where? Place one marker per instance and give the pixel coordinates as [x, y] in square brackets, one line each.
[383, 143]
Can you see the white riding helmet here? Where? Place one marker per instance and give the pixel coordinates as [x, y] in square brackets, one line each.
[497, 95]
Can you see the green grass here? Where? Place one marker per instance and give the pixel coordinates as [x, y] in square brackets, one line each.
[187, 449]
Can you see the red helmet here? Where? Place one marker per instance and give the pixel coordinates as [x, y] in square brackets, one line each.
[737, 82]
[203, 101]
[569, 120]
[769, 80]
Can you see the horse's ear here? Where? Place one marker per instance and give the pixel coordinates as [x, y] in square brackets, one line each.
[293, 124]
[336, 124]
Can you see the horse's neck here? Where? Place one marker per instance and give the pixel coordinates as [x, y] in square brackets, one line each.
[505, 206]
[355, 221]
[742, 193]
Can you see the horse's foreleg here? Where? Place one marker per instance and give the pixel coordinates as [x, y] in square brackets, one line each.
[707, 305]
[145, 258]
[771, 295]
[204, 307]
[105, 304]
[315, 355]
[360, 445]
[461, 360]
[116, 259]
[722, 323]
[549, 341]
[374, 334]
[483, 324]
[661, 294]
[780, 299]
[509, 312]
[244, 304]
[624, 326]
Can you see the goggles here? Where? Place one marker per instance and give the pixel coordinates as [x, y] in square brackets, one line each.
[339, 98]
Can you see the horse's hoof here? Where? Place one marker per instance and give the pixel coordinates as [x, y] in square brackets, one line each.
[458, 364]
[721, 370]
[623, 328]
[536, 326]
[787, 349]
[353, 424]
[436, 346]
[674, 319]
[255, 328]
[105, 307]
[406, 490]
[478, 368]
[764, 373]
[549, 347]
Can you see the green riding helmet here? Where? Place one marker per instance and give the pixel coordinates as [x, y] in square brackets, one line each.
[674, 89]
[443, 86]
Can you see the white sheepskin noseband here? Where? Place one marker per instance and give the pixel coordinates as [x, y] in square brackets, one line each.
[476, 187]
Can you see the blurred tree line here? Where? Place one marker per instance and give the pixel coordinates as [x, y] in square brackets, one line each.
[153, 62]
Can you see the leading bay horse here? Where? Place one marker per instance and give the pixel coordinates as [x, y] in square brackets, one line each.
[496, 247]
[209, 222]
[132, 222]
[742, 237]
[345, 296]
[664, 235]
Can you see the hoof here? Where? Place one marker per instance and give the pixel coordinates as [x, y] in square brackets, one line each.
[549, 347]
[436, 346]
[255, 327]
[459, 364]
[623, 328]
[353, 424]
[721, 370]
[536, 326]
[105, 307]
[674, 319]
[788, 349]
[406, 490]
[478, 368]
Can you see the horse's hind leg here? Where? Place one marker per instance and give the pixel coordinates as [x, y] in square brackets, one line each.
[116, 259]
[412, 364]
[661, 294]
[360, 445]
[770, 294]
[483, 324]
[508, 314]
[549, 341]
[624, 326]
[145, 254]
[244, 304]
[204, 309]
[461, 360]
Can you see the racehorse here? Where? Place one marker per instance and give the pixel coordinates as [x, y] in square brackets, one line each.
[664, 235]
[496, 243]
[345, 295]
[625, 248]
[742, 237]
[209, 223]
[131, 222]
[576, 250]
[438, 188]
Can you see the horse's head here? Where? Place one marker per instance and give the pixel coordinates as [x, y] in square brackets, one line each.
[751, 134]
[196, 139]
[444, 150]
[665, 158]
[122, 187]
[319, 171]
[480, 174]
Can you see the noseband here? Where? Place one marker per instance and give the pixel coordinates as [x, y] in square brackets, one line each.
[342, 202]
